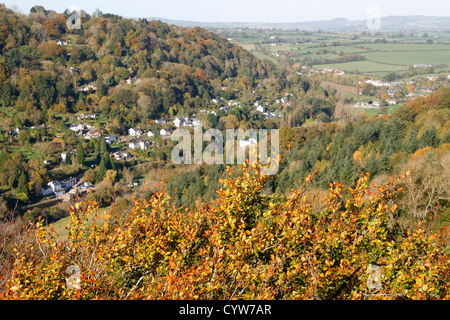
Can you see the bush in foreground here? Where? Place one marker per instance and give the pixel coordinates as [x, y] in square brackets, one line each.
[244, 245]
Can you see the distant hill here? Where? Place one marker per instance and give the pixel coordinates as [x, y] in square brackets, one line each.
[390, 23]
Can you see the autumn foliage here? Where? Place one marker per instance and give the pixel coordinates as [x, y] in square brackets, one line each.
[244, 245]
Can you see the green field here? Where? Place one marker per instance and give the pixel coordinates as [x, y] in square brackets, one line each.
[407, 58]
[261, 55]
[61, 226]
[364, 67]
[383, 53]
[372, 112]
[27, 153]
[393, 57]
[405, 46]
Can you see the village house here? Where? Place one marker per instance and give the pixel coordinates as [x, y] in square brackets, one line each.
[16, 131]
[46, 191]
[135, 132]
[91, 86]
[426, 90]
[368, 105]
[422, 65]
[234, 103]
[83, 188]
[89, 127]
[164, 133]
[214, 112]
[89, 115]
[269, 114]
[160, 121]
[132, 145]
[121, 155]
[72, 70]
[391, 101]
[378, 83]
[66, 154]
[86, 116]
[92, 134]
[181, 121]
[261, 109]
[110, 139]
[76, 127]
[131, 80]
[142, 145]
[58, 187]
[150, 134]
[393, 91]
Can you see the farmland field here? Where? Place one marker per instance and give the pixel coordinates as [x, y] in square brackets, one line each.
[365, 67]
[261, 55]
[409, 57]
[372, 112]
[383, 58]
[383, 53]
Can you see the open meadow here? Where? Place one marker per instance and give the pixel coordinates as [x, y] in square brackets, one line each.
[373, 55]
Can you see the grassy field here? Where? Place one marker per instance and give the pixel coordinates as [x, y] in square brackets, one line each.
[407, 57]
[372, 112]
[27, 153]
[397, 54]
[385, 58]
[261, 55]
[364, 67]
[61, 226]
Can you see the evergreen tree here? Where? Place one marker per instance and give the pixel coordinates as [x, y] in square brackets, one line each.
[97, 148]
[23, 184]
[411, 143]
[384, 164]
[111, 163]
[80, 153]
[372, 165]
[69, 159]
[429, 138]
[101, 171]
[103, 146]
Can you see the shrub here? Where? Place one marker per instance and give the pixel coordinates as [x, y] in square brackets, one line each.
[244, 245]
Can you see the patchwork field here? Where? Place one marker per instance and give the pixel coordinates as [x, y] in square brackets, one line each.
[364, 67]
[383, 53]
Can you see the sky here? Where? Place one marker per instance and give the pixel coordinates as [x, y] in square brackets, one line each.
[245, 10]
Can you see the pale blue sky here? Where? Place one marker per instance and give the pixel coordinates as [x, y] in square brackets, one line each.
[246, 10]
